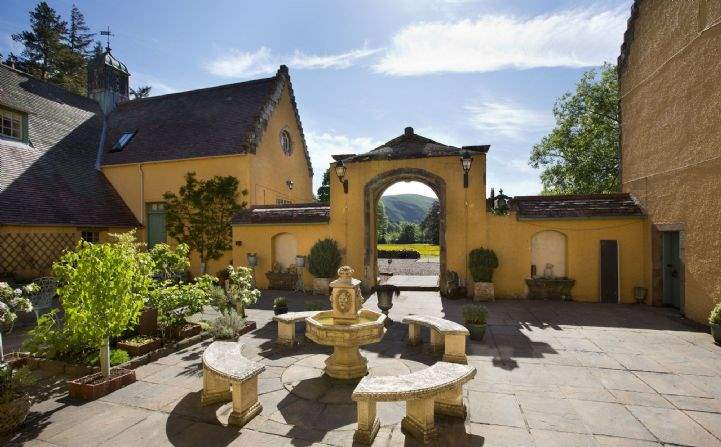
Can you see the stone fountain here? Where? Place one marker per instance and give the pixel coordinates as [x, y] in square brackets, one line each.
[346, 327]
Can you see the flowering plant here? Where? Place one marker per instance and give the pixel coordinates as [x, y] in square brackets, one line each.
[241, 291]
[13, 301]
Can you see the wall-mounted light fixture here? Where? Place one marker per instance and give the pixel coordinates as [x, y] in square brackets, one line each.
[289, 184]
[466, 161]
[340, 171]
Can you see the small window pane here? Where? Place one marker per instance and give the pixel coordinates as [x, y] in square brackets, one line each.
[90, 236]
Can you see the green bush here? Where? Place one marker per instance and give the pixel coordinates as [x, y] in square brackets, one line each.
[314, 305]
[117, 357]
[475, 314]
[715, 316]
[13, 382]
[482, 262]
[324, 259]
[227, 326]
[170, 263]
[241, 289]
[175, 302]
[280, 302]
[52, 340]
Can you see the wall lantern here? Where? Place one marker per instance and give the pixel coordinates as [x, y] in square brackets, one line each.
[289, 184]
[340, 171]
[466, 161]
[252, 259]
[300, 261]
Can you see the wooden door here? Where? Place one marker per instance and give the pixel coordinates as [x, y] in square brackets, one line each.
[609, 271]
[671, 269]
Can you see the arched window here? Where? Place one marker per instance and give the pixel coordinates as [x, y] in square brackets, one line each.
[549, 248]
[286, 144]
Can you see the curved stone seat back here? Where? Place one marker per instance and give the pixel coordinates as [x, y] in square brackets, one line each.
[225, 359]
[439, 324]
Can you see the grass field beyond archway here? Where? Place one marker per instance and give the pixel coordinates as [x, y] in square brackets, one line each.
[426, 250]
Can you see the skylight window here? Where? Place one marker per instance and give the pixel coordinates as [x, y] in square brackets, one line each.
[123, 140]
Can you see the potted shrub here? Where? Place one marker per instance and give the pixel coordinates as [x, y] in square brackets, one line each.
[14, 401]
[474, 318]
[482, 262]
[714, 320]
[140, 345]
[280, 305]
[323, 263]
[103, 288]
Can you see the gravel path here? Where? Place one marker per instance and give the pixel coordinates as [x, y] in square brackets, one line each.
[423, 266]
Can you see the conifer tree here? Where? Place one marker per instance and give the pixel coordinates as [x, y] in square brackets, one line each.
[79, 39]
[44, 46]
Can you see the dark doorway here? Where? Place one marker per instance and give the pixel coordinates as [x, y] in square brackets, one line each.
[671, 260]
[609, 271]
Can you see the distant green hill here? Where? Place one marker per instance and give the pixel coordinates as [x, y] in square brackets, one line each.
[407, 207]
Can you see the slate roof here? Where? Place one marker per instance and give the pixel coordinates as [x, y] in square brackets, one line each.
[53, 180]
[411, 145]
[223, 120]
[279, 214]
[576, 206]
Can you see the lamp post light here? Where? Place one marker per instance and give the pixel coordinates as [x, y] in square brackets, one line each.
[466, 161]
[340, 171]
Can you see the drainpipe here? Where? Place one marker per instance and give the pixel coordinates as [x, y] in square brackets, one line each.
[142, 194]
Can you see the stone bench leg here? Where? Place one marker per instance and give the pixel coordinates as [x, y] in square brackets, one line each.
[436, 341]
[414, 334]
[245, 402]
[418, 421]
[286, 333]
[368, 423]
[215, 389]
[455, 349]
[450, 403]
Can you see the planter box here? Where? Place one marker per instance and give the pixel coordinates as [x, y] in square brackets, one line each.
[13, 413]
[281, 281]
[95, 385]
[550, 288]
[17, 360]
[148, 322]
[484, 291]
[321, 286]
[137, 350]
[181, 332]
[716, 332]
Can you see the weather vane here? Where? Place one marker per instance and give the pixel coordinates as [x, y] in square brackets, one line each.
[108, 34]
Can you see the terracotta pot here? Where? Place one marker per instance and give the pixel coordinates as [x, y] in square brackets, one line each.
[477, 331]
[95, 386]
[148, 322]
[321, 286]
[136, 350]
[716, 332]
[13, 413]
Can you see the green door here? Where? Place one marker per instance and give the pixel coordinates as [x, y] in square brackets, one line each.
[156, 224]
[671, 269]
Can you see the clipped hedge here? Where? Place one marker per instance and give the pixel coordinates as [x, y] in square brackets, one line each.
[398, 254]
[324, 259]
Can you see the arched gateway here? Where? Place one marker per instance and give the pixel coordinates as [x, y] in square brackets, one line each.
[468, 220]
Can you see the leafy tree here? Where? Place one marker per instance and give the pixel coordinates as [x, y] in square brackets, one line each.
[431, 224]
[200, 214]
[170, 263]
[141, 92]
[409, 233]
[43, 44]
[241, 291]
[103, 290]
[581, 154]
[79, 39]
[381, 223]
[323, 194]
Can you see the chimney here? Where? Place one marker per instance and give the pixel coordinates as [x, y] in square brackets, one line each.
[408, 131]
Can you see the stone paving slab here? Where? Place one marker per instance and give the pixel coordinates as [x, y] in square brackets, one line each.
[548, 374]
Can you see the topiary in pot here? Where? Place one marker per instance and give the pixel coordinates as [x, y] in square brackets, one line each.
[475, 317]
[323, 263]
[714, 321]
[280, 306]
[481, 262]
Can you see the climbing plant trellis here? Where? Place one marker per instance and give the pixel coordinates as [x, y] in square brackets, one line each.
[32, 252]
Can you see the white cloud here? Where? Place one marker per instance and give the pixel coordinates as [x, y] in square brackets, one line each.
[572, 38]
[264, 62]
[158, 87]
[507, 119]
[322, 145]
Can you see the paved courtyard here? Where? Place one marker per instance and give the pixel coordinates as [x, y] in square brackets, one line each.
[549, 374]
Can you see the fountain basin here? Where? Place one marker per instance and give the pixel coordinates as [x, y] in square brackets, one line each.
[346, 337]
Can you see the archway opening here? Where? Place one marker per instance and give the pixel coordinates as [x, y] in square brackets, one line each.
[405, 229]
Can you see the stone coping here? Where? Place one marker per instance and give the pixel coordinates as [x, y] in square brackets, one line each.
[439, 324]
[417, 385]
[225, 359]
[292, 317]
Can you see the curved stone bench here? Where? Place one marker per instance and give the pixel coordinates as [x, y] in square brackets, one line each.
[443, 333]
[286, 325]
[228, 375]
[438, 388]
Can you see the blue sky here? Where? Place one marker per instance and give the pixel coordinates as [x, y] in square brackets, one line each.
[462, 72]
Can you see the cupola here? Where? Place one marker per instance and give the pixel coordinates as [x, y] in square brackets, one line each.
[107, 81]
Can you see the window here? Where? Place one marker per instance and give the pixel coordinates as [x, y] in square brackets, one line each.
[90, 236]
[285, 142]
[123, 140]
[11, 124]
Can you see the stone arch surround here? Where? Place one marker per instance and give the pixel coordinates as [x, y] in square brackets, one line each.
[372, 192]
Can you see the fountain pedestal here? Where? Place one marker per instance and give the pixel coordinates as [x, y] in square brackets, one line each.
[346, 327]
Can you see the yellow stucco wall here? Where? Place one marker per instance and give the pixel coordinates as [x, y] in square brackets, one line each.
[263, 175]
[511, 240]
[671, 135]
[259, 239]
